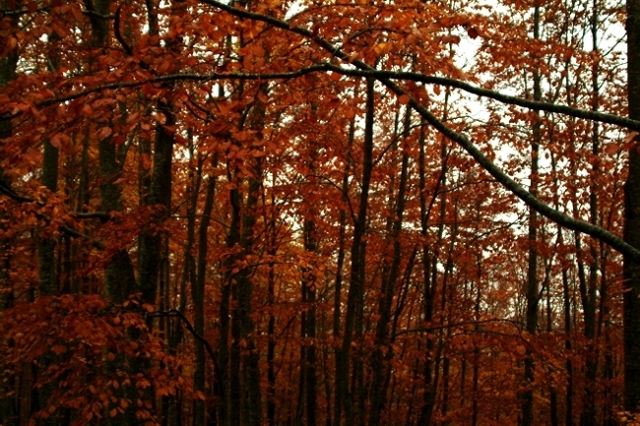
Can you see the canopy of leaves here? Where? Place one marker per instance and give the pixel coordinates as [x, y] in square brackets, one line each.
[277, 212]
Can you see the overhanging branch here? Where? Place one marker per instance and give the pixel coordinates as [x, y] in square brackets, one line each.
[365, 71]
[171, 78]
[463, 140]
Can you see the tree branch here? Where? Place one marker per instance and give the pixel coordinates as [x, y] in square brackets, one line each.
[463, 140]
[365, 71]
[189, 327]
[169, 78]
[492, 94]
[386, 78]
[519, 325]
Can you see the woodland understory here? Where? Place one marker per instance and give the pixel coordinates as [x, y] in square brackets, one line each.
[359, 212]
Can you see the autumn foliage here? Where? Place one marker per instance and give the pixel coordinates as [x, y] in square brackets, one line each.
[304, 213]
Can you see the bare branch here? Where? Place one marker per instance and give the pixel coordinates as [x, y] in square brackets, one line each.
[492, 94]
[173, 77]
[189, 327]
[463, 140]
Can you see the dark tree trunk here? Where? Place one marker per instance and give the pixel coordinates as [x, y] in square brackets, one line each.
[197, 293]
[632, 220]
[383, 352]
[532, 273]
[337, 301]
[9, 408]
[356, 286]
[160, 202]
[47, 244]
[119, 275]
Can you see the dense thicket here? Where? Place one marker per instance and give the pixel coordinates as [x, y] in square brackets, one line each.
[304, 213]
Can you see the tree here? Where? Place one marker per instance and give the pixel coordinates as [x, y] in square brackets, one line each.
[631, 206]
[316, 211]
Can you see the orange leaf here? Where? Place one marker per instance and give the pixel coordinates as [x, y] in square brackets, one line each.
[104, 133]
[349, 113]
[404, 99]
[258, 50]
[56, 140]
[241, 136]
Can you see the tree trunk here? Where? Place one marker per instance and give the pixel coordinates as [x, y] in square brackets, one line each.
[9, 410]
[119, 275]
[532, 273]
[46, 243]
[337, 301]
[309, 283]
[356, 286]
[197, 293]
[383, 352]
[160, 202]
[632, 221]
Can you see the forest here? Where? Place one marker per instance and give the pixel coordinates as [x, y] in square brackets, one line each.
[307, 212]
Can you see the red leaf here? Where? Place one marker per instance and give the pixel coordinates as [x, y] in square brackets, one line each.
[56, 140]
[104, 133]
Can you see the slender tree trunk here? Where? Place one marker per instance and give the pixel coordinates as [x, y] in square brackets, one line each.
[476, 349]
[309, 283]
[384, 352]
[605, 331]
[271, 225]
[337, 301]
[566, 297]
[228, 415]
[170, 403]
[49, 276]
[430, 270]
[271, 345]
[197, 293]
[9, 408]
[356, 286]
[532, 273]
[119, 274]
[446, 310]
[233, 241]
[588, 415]
[46, 243]
[245, 399]
[159, 201]
[632, 221]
